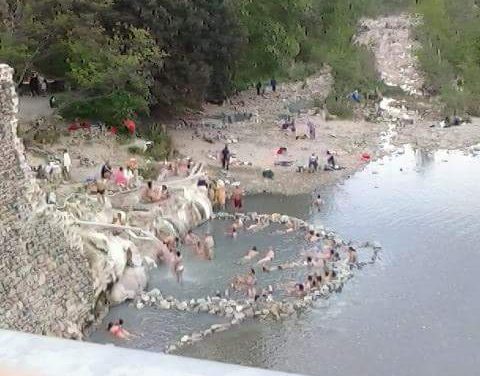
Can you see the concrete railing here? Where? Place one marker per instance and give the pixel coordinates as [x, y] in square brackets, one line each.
[26, 354]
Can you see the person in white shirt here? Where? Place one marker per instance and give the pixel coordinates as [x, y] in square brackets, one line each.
[67, 165]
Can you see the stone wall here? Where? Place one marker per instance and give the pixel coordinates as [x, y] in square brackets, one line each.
[46, 285]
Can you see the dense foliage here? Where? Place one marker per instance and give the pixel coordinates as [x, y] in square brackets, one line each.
[450, 53]
[127, 57]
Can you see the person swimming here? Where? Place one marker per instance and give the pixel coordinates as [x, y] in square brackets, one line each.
[232, 233]
[330, 275]
[327, 255]
[298, 290]
[312, 237]
[238, 223]
[117, 330]
[309, 283]
[200, 249]
[190, 239]
[269, 256]
[251, 254]
[255, 225]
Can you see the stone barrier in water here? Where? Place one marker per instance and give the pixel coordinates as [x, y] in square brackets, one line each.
[237, 311]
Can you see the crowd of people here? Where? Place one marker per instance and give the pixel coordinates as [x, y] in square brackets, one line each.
[122, 178]
[330, 164]
[320, 265]
[318, 261]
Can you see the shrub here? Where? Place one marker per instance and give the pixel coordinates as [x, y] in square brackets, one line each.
[136, 150]
[340, 107]
[162, 145]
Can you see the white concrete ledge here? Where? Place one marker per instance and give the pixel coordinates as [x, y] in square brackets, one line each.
[27, 354]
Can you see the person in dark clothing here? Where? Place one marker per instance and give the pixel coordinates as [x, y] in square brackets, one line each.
[226, 158]
[106, 171]
[259, 88]
[34, 85]
[273, 83]
[53, 101]
[330, 161]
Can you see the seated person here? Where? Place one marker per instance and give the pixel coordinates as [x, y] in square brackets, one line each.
[330, 162]
[151, 193]
[165, 193]
[120, 178]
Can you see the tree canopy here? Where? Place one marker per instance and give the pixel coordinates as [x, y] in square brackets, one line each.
[126, 57]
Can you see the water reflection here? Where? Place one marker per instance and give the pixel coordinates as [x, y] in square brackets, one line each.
[416, 312]
[424, 158]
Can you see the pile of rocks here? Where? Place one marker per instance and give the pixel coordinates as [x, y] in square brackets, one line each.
[390, 39]
[237, 311]
[276, 218]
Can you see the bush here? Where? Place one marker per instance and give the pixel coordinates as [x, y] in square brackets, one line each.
[149, 172]
[111, 109]
[136, 150]
[162, 145]
[450, 52]
[340, 106]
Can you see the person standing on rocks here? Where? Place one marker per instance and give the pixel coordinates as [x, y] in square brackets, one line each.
[330, 166]
[313, 163]
[311, 130]
[259, 88]
[273, 83]
[101, 188]
[352, 257]
[67, 164]
[226, 155]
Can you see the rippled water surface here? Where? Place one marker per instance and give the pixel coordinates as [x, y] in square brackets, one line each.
[414, 312]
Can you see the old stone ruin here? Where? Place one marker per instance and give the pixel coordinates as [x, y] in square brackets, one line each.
[46, 286]
[61, 266]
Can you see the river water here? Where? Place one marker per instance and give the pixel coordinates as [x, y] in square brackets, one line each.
[414, 312]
